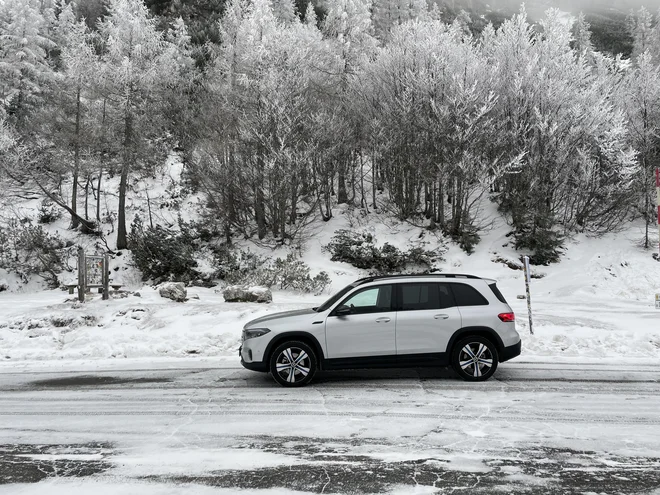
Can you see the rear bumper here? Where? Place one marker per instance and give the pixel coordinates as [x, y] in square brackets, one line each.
[510, 352]
[254, 366]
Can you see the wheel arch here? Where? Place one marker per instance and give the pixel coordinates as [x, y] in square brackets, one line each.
[305, 337]
[485, 332]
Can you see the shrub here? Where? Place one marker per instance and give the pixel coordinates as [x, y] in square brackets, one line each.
[360, 250]
[235, 266]
[48, 212]
[291, 273]
[163, 254]
[246, 268]
[27, 250]
[540, 238]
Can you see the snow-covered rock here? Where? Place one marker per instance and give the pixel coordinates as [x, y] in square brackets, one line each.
[173, 290]
[236, 293]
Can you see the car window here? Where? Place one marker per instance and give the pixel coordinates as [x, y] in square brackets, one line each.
[466, 295]
[326, 305]
[415, 297]
[425, 296]
[370, 300]
[497, 293]
[446, 296]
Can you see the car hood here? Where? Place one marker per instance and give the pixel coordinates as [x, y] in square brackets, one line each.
[279, 316]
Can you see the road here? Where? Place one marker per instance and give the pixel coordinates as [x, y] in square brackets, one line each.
[536, 428]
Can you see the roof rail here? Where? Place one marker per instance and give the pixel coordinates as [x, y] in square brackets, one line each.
[412, 275]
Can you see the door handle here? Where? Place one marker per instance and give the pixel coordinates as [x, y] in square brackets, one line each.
[441, 317]
[384, 319]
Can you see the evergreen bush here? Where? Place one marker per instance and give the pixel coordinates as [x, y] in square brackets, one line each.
[163, 254]
[27, 249]
[360, 250]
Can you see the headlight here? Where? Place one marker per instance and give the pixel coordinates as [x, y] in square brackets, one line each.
[254, 332]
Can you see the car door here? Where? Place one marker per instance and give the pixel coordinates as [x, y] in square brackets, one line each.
[369, 330]
[427, 317]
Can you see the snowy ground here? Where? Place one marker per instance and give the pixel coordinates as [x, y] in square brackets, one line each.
[537, 428]
[141, 395]
[597, 304]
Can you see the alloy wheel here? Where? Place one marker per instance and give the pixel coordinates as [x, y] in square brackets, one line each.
[293, 364]
[475, 359]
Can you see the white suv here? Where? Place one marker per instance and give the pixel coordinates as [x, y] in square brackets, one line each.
[388, 321]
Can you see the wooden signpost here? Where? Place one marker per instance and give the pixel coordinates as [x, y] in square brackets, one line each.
[93, 272]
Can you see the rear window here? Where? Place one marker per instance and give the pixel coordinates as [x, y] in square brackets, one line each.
[497, 293]
[425, 296]
[466, 295]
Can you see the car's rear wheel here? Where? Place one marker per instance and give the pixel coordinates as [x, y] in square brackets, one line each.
[475, 359]
[293, 364]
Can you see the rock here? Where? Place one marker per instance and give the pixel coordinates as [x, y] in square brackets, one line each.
[3, 286]
[137, 294]
[194, 296]
[173, 290]
[236, 293]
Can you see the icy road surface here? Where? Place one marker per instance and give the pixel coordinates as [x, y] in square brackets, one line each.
[537, 428]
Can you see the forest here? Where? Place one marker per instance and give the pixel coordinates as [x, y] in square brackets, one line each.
[282, 110]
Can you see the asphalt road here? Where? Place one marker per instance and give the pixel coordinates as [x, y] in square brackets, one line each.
[535, 428]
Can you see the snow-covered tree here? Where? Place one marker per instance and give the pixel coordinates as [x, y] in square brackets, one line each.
[285, 11]
[72, 97]
[645, 33]
[582, 35]
[428, 99]
[641, 103]
[349, 30]
[137, 67]
[24, 64]
[557, 115]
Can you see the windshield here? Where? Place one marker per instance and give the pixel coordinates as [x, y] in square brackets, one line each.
[326, 305]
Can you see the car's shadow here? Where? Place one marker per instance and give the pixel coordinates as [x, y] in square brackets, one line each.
[396, 376]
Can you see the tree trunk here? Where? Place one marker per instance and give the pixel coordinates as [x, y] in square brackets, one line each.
[98, 195]
[76, 167]
[374, 174]
[122, 240]
[259, 212]
[87, 196]
[342, 195]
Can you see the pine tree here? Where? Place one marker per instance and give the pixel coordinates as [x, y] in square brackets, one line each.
[285, 11]
[645, 36]
[582, 35]
[310, 15]
[24, 64]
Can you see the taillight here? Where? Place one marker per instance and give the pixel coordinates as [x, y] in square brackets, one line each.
[507, 317]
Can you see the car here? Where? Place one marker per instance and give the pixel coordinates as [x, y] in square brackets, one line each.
[440, 320]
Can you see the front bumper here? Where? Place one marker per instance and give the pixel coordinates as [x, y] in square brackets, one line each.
[252, 366]
[510, 352]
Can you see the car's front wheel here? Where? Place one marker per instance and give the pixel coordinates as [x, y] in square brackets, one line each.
[475, 359]
[293, 364]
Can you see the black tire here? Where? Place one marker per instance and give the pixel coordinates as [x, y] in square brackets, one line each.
[471, 361]
[301, 373]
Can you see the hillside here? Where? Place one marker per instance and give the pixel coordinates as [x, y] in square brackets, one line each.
[596, 303]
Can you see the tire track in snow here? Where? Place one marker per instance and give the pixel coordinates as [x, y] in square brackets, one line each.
[586, 418]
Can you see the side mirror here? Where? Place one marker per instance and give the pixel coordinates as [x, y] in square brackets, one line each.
[343, 310]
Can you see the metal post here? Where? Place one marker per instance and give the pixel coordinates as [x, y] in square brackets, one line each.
[106, 276]
[528, 276]
[81, 275]
[657, 190]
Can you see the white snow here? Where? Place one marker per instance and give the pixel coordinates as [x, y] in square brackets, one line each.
[598, 303]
